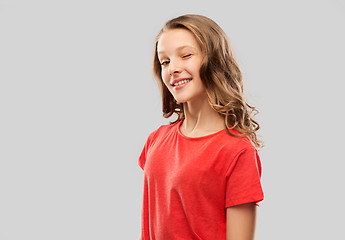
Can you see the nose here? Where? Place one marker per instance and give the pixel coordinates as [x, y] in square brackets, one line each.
[174, 67]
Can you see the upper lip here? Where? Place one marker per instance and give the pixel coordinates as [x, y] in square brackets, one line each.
[177, 80]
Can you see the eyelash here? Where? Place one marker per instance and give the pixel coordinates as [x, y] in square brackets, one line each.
[166, 62]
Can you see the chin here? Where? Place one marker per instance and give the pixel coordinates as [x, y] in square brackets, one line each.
[182, 100]
[188, 99]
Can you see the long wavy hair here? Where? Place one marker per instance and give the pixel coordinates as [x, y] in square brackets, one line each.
[219, 73]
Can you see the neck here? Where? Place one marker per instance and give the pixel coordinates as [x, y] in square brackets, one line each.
[201, 118]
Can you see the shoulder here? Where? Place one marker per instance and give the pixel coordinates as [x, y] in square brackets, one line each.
[162, 131]
[242, 156]
[234, 146]
[237, 142]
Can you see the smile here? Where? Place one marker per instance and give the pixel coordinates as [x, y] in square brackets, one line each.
[182, 82]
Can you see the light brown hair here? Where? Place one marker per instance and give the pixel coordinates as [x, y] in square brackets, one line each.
[219, 73]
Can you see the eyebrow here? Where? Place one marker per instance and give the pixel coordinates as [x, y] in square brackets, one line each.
[179, 48]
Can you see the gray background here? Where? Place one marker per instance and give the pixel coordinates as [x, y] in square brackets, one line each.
[78, 99]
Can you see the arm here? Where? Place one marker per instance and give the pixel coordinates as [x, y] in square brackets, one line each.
[240, 222]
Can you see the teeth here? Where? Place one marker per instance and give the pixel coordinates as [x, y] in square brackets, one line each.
[182, 82]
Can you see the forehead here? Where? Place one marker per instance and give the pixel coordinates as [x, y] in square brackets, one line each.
[176, 39]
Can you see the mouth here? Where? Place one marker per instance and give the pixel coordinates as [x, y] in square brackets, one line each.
[184, 81]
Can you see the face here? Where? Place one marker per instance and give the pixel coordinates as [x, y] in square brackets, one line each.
[180, 56]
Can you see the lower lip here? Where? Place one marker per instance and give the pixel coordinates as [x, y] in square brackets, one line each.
[181, 86]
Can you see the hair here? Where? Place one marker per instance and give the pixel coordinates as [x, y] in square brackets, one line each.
[219, 73]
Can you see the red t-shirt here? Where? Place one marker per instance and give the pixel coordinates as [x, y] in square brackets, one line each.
[189, 183]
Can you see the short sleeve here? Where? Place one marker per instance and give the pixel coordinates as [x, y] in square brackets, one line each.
[142, 157]
[243, 183]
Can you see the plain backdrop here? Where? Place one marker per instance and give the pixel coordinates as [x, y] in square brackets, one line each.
[78, 100]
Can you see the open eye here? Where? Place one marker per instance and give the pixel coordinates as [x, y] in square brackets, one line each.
[165, 63]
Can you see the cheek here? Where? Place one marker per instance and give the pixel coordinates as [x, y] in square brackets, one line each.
[165, 77]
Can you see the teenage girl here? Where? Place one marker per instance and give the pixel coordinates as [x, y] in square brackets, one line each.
[202, 171]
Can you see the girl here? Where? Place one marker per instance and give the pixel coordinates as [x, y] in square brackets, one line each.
[202, 171]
